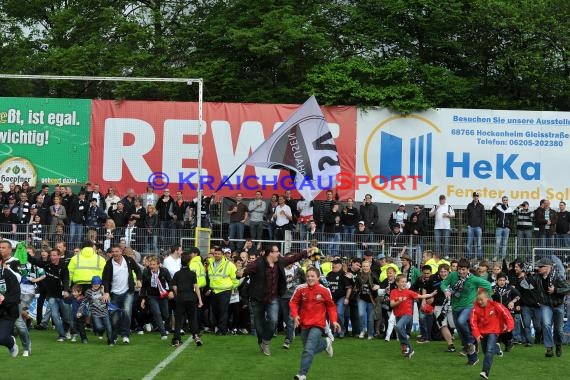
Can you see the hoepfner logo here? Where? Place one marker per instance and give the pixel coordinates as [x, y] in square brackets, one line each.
[399, 152]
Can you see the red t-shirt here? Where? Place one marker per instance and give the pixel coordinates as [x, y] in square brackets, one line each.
[406, 307]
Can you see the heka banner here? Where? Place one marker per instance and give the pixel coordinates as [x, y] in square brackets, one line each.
[303, 145]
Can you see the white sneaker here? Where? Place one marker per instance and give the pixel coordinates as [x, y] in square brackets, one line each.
[329, 348]
[330, 334]
[361, 335]
[74, 338]
[126, 339]
[140, 332]
[26, 353]
[68, 335]
[14, 350]
[164, 337]
[148, 327]
[300, 377]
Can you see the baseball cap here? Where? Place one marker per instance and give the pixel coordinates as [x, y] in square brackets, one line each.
[545, 261]
[337, 261]
[5, 207]
[362, 222]
[226, 250]
[34, 206]
[475, 194]
[368, 253]
[402, 204]
[381, 256]
[96, 280]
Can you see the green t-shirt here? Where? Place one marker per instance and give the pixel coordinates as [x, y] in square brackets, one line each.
[469, 292]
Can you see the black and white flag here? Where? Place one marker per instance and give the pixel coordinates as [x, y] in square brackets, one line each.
[303, 145]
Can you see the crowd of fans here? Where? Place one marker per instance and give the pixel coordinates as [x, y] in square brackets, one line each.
[102, 281]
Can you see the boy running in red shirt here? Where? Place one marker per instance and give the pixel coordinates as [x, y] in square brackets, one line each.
[488, 320]
[310, 305]
[402, 303]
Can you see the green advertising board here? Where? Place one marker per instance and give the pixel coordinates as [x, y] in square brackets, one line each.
[44, 141]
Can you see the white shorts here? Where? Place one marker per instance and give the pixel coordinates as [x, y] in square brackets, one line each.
[448, 320]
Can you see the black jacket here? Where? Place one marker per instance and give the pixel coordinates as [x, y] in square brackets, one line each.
[57, 276]
[475, 215]
[9, 307]
[108, 274]
[369, 214]
[164, 278]
[78, 211]
[561, 288]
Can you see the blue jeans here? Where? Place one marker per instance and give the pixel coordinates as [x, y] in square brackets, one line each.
[366, 316]
[287, 319]
[57, 310]
[517, 332]
[531, 314]
[103, 323]
[340, 315]
[159, 310]
[524, 243]
[501, 239]
[545, 240]
[348, 230]
[236, 230]
[426, 323]
[75, 234]
[552, 324]
[461, 319]
[313, 343]
[265, 317]
[490, 348]
[166, 234]
[256, 230]
[563, 240]
[124, 302]
[438, 234]
[22, 330]
[474, 233]
[403, 325]
[333, 248]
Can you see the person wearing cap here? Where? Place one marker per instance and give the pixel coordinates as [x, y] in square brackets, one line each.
[395, 241]
[121, 275]
[399, 216]
[461, 287]
[551, 288]
[488, 320]
[368, 255]
[222, 276]
[96, 215]
[99, 309]
[442, 212]
[341, 289]
[529, 302]
[475, 219]
[525, 226]
[504, 222]
[361, 239]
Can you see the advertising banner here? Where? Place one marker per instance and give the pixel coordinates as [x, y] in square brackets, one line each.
[137, 143]
[44, 141]
[455, 152]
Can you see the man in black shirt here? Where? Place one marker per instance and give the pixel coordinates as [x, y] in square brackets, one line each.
[563, 226]
[424, 284]
[188, 299]
[341, 288]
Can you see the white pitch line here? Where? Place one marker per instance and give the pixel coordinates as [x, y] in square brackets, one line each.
[163, 364]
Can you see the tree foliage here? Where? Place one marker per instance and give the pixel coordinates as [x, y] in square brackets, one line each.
[407, 55]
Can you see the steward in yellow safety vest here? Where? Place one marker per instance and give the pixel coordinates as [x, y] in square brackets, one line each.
[222, 273]
[86, 264]
[197, 267]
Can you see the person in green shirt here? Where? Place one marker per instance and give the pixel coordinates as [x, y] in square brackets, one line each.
[461, 287]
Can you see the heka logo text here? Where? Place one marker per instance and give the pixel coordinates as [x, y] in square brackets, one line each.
[502, 167]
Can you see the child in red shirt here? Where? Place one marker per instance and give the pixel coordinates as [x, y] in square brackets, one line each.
[310, 305]
[402, 303]
[488, 320]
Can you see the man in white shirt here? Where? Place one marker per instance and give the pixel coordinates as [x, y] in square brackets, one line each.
[173, 263]
[443, 214]
[121, 276]
[282, 217]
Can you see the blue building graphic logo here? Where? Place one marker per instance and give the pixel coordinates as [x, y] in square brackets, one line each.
[392, 156]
